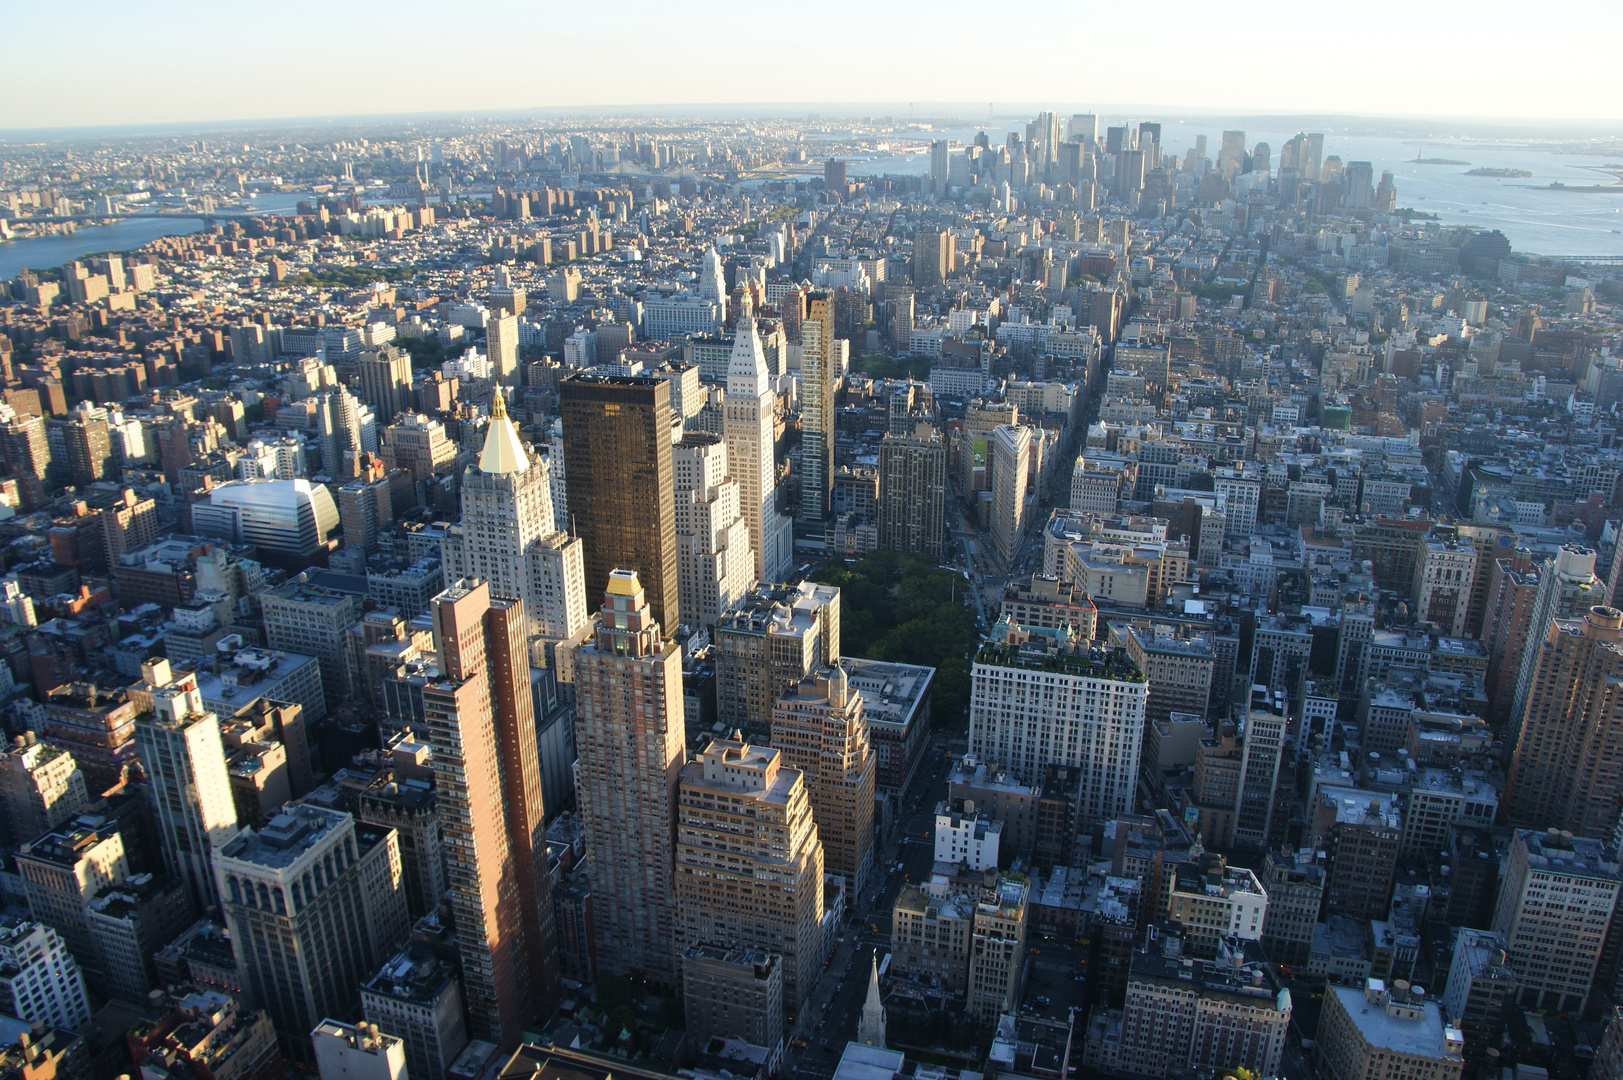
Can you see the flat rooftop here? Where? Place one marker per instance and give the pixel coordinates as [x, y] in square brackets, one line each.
[1420, 1037]
[286, 836]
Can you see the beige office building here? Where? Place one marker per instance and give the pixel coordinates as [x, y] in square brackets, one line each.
[629, 742]
[749, 865]
[819, 726]
[1381, 1033]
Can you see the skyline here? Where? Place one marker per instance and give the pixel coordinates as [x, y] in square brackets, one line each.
[1380, 64]
[932, 116]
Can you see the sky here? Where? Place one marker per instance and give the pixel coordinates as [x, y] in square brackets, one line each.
[180, 61]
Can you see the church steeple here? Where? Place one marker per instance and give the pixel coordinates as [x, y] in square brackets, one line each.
[871, 1028]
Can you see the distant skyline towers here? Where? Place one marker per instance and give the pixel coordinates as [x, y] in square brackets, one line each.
[1129, 171]
[1313, 156]
[1360, 184]
[1231, 153]
[1149, 141]
[618, 472]
[818, 380]
[479, 718]
[939, 165]
[508, 535]
[629, 735]
[749, 428]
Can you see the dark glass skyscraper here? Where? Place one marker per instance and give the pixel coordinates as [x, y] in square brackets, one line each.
[617, 468]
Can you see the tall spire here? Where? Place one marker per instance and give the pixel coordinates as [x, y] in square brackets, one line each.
[746, 367]
[871, 1028]
[503, 452]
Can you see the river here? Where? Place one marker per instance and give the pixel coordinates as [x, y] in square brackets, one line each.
[40, 252]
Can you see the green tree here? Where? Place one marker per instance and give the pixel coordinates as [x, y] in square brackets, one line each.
[903, 609]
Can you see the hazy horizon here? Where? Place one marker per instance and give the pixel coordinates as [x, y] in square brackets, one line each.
[187, 64]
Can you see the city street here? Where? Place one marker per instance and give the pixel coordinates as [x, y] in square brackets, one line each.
[831, 1020]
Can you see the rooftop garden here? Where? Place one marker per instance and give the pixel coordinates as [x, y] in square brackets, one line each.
[1090, 663]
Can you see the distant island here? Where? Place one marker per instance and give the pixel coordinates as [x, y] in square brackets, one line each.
[1615, 187]
[1420, 159]
[1511, 174]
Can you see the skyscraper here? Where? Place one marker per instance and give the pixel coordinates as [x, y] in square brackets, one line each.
[1255, 811]
[1094, 722]
[1556, 902]
[715, 567]
[1011, 467]
[777, 636]
[341, 427]
[24, 445]
[40, 788]
[365, 509]
[749, 865]
[617, 453]
[1567, 587]
[419, 445]
[748, 425]
[1231, 155]
[184, 758]
[819, 727]
[713, 279]
[1149, 141]
[1360, 180]
[818, 378]
[385, 375]
[629, 737]
[1564, 774]
[507, 535]
[932, 257]
[913, 493]
[39, 980]
[938, 166]
[89, 445]
[313, 904]
[479, 717]
[1129, 172]
[501, 346]
[1312, 156]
